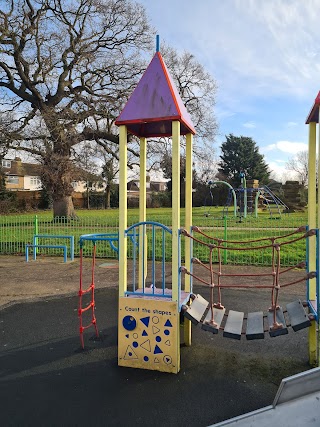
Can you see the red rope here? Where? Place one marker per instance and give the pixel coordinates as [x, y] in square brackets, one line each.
[273, 239]
[275, 273]
[219, 276]
[211, 287]
[276, 288]
[299, 265]
[284, 285]
[198, 230]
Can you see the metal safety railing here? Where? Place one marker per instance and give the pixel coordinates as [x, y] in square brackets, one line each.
[18, 230]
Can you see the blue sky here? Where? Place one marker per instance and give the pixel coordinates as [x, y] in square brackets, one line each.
[265, 58]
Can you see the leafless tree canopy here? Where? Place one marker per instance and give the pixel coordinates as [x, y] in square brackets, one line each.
[66, 69]
[299, 165]
[197, 89]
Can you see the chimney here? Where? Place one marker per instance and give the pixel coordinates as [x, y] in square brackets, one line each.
[18, 165]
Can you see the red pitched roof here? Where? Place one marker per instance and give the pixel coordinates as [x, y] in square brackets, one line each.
[314, 112]
[154, 104]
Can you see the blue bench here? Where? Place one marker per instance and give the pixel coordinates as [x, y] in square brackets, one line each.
[28, 245]
[36, 238]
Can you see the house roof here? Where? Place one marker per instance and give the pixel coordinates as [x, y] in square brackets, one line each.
[154, 104]
[19, 168]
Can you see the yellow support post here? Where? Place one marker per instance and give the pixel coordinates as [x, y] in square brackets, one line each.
[123, 209]
[143, 212]
[176, 227]
[175, 207]
[316, 325]
[312, 215]
[188, 224]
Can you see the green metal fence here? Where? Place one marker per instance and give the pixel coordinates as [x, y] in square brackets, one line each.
[16, 231]
[232, 229]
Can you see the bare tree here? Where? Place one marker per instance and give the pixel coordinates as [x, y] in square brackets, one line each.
[299, 165]
[207, 168]
[197, 89]
[66, 68]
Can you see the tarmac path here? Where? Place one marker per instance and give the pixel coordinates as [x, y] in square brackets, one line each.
[46, 380]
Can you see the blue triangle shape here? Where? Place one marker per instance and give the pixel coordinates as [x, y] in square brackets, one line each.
[145, 320]
[168, 324]
[144, 334]
[157, 350]
[127, 335]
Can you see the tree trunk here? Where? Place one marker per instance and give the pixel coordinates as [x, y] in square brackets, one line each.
[57, 175]
[108, 193]
[88, 198]
[64, 207]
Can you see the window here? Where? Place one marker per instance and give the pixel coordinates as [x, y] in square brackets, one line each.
[13, 179]
[6, 163]
[35, 181]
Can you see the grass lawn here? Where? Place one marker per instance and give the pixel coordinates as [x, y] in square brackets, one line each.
[17, 230]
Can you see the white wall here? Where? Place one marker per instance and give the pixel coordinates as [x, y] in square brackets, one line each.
[29, 183]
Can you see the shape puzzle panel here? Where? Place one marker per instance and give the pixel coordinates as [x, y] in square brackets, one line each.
[148, 334]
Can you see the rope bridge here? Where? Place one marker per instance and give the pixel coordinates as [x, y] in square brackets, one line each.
[211, 313]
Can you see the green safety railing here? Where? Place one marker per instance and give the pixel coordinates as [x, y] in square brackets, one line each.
[18, 230]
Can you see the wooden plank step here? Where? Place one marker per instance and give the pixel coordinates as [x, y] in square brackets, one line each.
[255, 327]
[297, 315]
[218, 314]
[196, 310]
[280, 319]
[233, 327]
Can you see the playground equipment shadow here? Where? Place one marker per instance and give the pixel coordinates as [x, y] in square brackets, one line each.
[45, 379]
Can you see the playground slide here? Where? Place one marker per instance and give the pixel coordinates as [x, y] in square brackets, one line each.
[296, 404]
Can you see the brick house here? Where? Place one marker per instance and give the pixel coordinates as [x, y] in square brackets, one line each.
[22, 176]
[26, 177]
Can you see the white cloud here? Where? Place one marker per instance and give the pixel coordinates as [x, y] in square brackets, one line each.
[286, 45]
[223, 113]
[280, 173]
[286, 147]
[283, 57]
[249, 125]
[265, 56]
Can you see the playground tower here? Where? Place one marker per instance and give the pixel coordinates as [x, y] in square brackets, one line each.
[149, 318]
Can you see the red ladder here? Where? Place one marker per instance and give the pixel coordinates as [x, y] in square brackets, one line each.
[91, 305]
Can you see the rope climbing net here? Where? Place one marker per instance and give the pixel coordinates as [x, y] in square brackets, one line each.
[216, 276]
